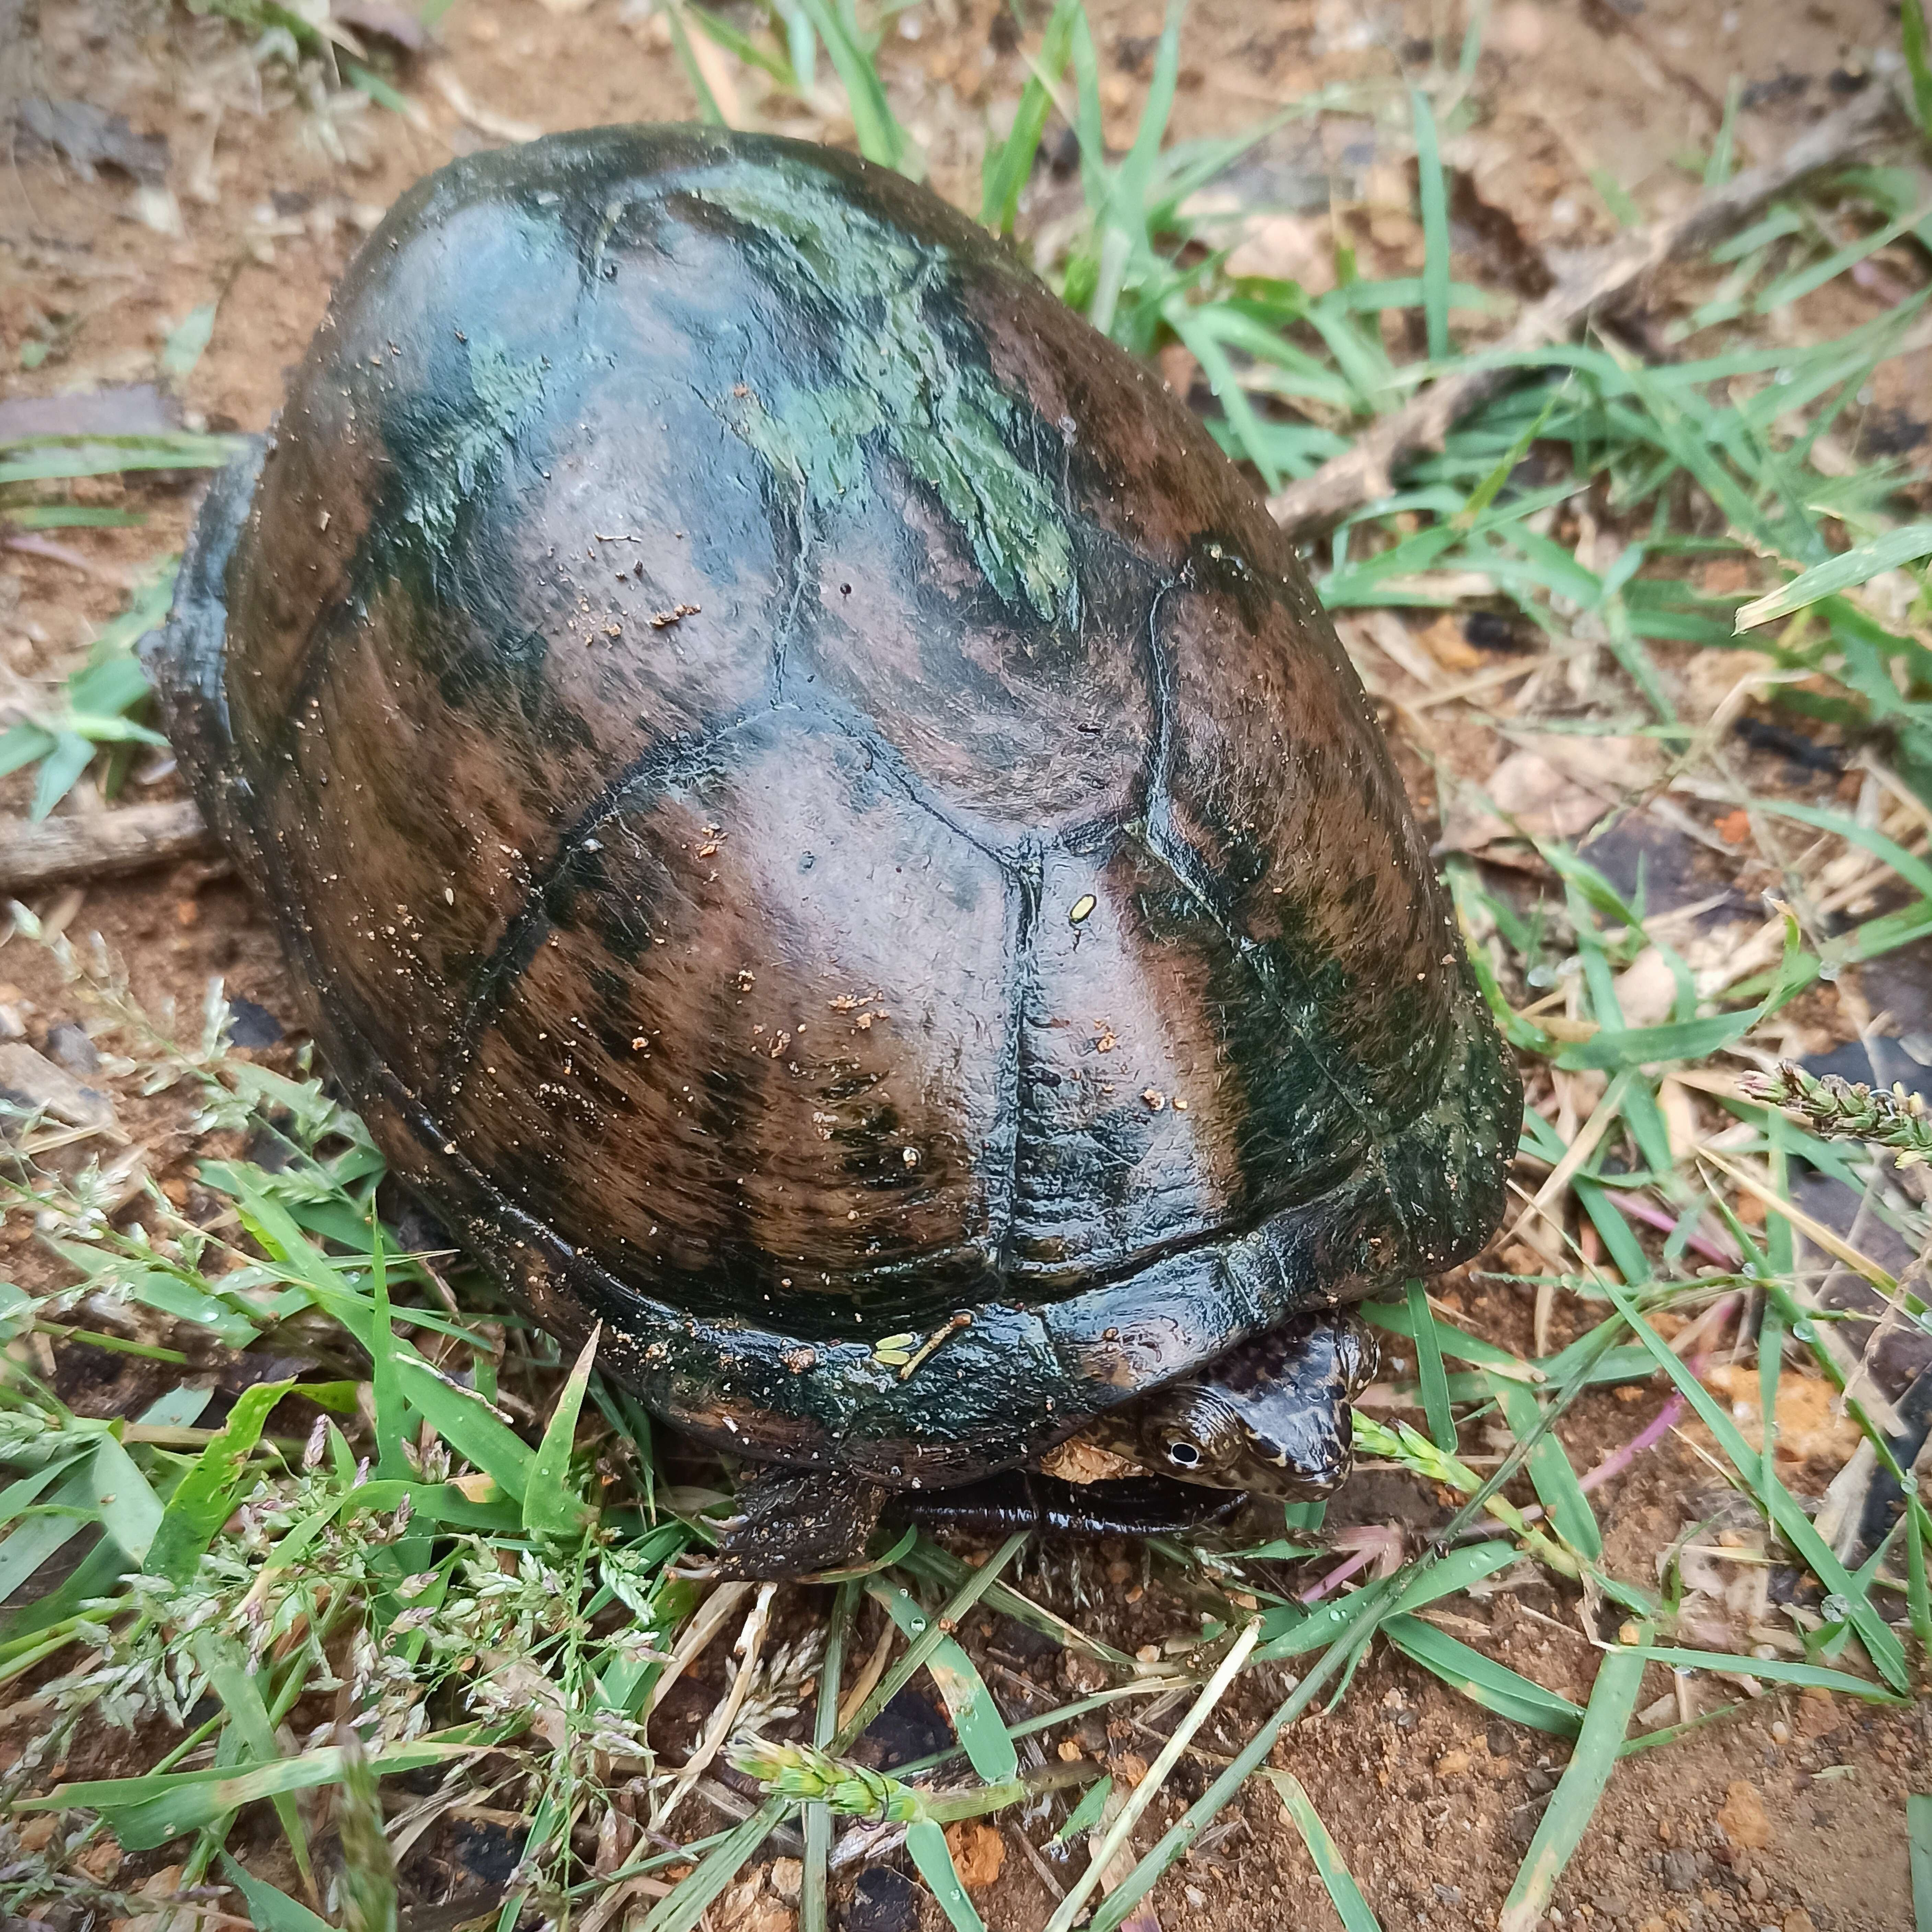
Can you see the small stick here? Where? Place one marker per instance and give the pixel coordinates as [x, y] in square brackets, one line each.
[1365, 472]
[99, 844]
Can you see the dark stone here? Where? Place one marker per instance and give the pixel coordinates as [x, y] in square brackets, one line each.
[1500, 1740]
[884, 1901]
[251, 1025]
[1680, 1870]
[906, 1729]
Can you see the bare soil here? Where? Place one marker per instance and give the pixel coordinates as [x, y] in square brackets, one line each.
[266, 197]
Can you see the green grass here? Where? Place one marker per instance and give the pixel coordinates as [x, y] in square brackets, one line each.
[474, 1552]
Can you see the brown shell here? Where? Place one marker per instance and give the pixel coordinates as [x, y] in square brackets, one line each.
[814, 803]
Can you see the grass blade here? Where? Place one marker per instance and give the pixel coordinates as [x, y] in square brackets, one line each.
[1550, 1468]
[1845, 571]
[1918, 1837]
[1790, 1521]
[824, 1723]
[926, 1842]
[976, 1718]
[1330, 1866]
[1919, 64]
[881, 137]
[1120, 1832]
[1114, 1909]
[921, 1647]
[1428, 1369]
[1435, 199]
[1481, 1679]
[1606, 1722]
[551, 1508]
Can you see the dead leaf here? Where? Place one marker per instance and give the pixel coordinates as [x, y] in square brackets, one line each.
[1646, 989]
[32, 1082]
[978, 1852]
[1553, 787]
[1445, 641]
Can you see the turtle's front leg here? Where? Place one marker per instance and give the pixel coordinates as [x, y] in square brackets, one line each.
[795, 1522]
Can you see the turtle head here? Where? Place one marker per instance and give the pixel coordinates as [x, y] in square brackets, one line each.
[1271, 1416]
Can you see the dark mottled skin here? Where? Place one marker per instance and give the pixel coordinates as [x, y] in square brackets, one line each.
[1270, 1416]
[707, 622]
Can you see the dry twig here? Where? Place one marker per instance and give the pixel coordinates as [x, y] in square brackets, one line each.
[99, 845]
[1366, 471]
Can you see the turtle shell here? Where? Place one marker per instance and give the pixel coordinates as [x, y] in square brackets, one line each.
[819, 818]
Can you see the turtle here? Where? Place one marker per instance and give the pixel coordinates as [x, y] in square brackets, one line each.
[830, 837]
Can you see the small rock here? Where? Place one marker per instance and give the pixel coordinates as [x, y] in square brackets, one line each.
[1499, 1741]
[69, 1044]
[1680, 1871]
[1450, 1895]
[1817, 1712]
[1743, 1817]
[1798, 1919]
[31, 1082]
[1452, 1764]
[1759, 1886]
[787, 1877]
[251, 1025]
[1197, 1899]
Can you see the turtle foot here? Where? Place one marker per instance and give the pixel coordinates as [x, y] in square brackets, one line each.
[795, 1522]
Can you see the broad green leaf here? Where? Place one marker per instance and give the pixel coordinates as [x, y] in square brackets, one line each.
[551, 1508]
[272, 1910]
[131, 1512]
[205, 1497]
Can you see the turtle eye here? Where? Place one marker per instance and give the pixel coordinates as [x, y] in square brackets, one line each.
[1183, 1455]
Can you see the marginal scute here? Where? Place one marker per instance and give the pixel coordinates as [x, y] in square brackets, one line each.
[814, 808]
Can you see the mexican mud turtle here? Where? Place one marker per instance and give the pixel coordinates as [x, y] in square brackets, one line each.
[824, 827]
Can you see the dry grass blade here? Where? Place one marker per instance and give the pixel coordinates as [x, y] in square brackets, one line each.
[748, 1648]
[712, 1616]
[1144, 1793]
